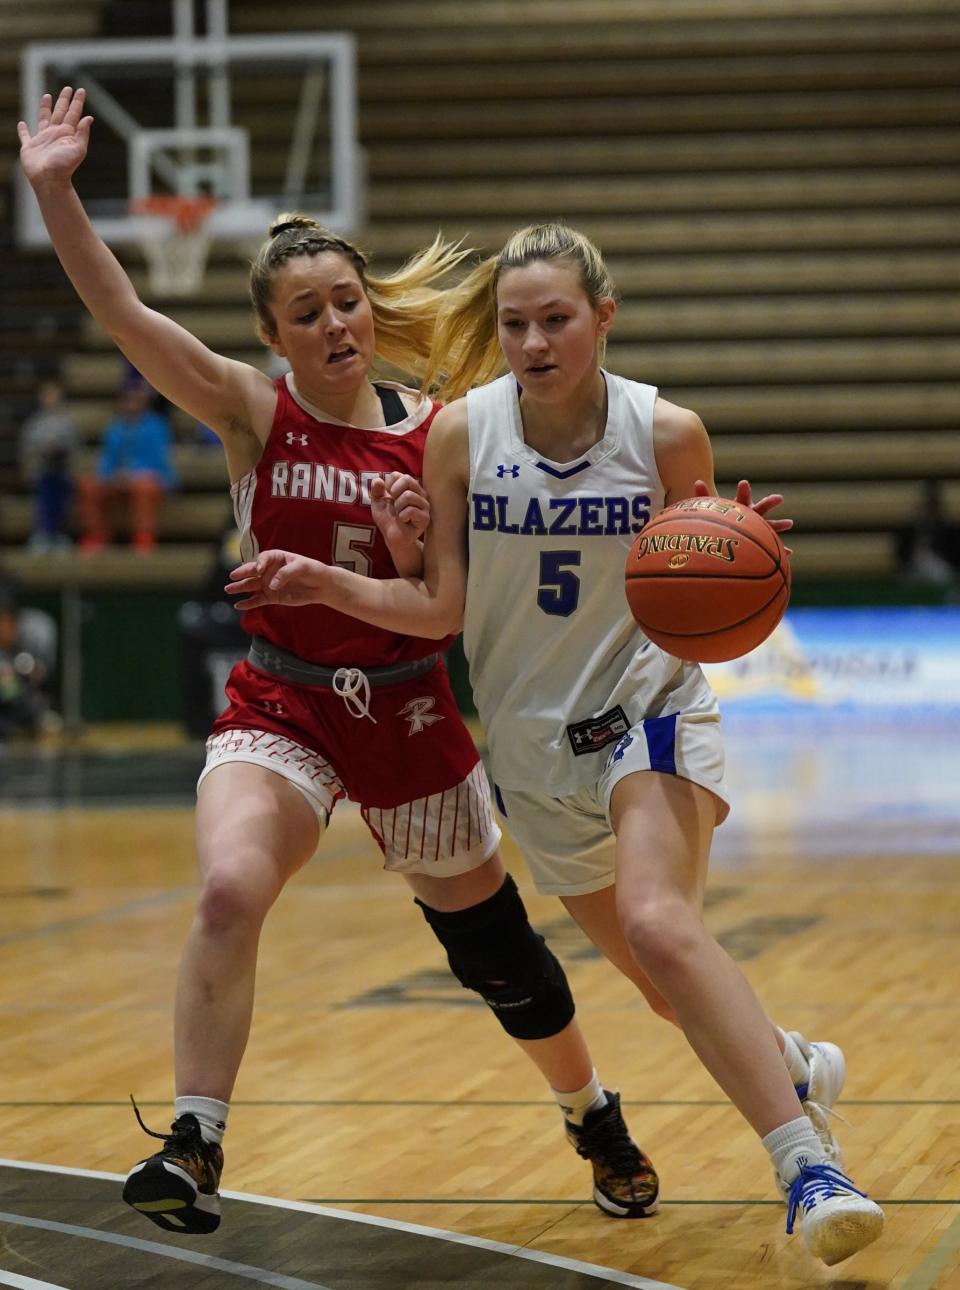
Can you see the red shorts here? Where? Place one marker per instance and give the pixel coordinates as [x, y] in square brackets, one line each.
[414, 769]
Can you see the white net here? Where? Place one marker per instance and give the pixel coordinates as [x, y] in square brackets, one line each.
[176, 260]
[175, 243]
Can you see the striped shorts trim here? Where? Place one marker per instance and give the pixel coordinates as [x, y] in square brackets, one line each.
[446, 833]
[443, 834]
[305, 769]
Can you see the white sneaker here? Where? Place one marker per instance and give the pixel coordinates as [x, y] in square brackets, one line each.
[824, 1085]
[837, 1219]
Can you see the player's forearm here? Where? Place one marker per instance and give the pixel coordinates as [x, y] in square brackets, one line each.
[96, 274]
[407, 557]
[403, 605]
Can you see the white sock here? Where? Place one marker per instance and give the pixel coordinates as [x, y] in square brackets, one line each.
[793, 1145]
[211, 1115]
[577, 1104]
[797, 1064]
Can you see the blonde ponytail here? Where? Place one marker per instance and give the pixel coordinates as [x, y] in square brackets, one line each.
[406, 305]
[466, 350]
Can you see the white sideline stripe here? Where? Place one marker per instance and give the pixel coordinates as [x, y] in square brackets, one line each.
[61, 1169]
[350, 1216]
[481, 1242]
[260, 1275]
[27, 1283]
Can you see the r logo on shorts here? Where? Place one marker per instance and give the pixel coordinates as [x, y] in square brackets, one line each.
[430, 813]
[420, 714]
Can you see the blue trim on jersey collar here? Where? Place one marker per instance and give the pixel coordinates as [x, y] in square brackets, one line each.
[563, 474]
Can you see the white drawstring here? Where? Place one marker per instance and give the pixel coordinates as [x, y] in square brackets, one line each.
[349, 682]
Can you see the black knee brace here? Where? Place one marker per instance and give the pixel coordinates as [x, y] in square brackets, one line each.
[492, 949]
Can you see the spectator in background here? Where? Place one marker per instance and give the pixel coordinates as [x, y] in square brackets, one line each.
[929, 548]
[48, 446]
[136, 463]
[28, 649]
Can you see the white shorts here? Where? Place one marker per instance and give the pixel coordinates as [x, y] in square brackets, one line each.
[568, 843]
[441, 835]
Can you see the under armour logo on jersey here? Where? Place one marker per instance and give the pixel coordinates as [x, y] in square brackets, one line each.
[512, 471]
[297, 438]
[420, 714]
[273, 706]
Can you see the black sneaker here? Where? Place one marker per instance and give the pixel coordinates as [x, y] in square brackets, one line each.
[625, 1183]
[177, 1188]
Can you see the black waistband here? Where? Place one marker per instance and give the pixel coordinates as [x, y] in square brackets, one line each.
[287, 667]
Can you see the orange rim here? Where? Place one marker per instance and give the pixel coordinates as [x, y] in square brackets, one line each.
[188, 212]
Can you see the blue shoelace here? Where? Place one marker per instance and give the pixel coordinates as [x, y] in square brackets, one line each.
[824, 1180]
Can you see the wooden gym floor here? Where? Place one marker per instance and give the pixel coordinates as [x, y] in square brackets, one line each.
[373, 1086]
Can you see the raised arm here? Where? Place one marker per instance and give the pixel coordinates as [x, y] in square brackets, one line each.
[431, 606]
[223, 394]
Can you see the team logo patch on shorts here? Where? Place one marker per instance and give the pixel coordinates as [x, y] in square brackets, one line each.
[596, 732]
[621, 748]
[420, 714]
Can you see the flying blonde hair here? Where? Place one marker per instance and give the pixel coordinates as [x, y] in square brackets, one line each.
[405, 304]
[466, 351]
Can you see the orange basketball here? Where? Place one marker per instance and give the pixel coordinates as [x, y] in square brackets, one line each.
[708, 579]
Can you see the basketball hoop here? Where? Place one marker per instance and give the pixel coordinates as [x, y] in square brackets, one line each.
[176, 253]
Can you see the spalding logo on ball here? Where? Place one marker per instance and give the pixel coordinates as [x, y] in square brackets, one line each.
[708, 579]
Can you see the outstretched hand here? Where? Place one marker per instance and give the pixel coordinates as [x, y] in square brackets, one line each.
[744, 497]
[401, 510]
[61, 139]
[278, 578]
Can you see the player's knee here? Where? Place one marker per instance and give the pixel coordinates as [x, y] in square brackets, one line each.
[663, 935]
[493, 950]
[230, 904]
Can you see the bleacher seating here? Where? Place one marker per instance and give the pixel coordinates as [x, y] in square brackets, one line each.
[40, 317]
[775, 186]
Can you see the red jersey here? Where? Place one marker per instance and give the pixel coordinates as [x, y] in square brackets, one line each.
[309, 493]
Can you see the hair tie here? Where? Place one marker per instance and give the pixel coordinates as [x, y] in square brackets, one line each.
[286, 225]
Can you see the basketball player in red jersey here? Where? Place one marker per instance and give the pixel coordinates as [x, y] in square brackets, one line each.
[326, 462]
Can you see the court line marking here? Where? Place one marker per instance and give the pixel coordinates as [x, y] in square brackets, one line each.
[112, 914]
[923, 1277]
[467, 1103]
[28, 1283]
[479, 1242]
[552, 1200]
[261, 1275]
[319, 1204]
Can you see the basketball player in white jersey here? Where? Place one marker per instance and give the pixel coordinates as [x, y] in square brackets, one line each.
[606, 752]
[325, 707]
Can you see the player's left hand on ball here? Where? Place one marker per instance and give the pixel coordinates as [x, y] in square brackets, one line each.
[400, 507]
[277, 578]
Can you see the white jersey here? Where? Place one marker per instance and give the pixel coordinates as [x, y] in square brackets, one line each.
[558, 666]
